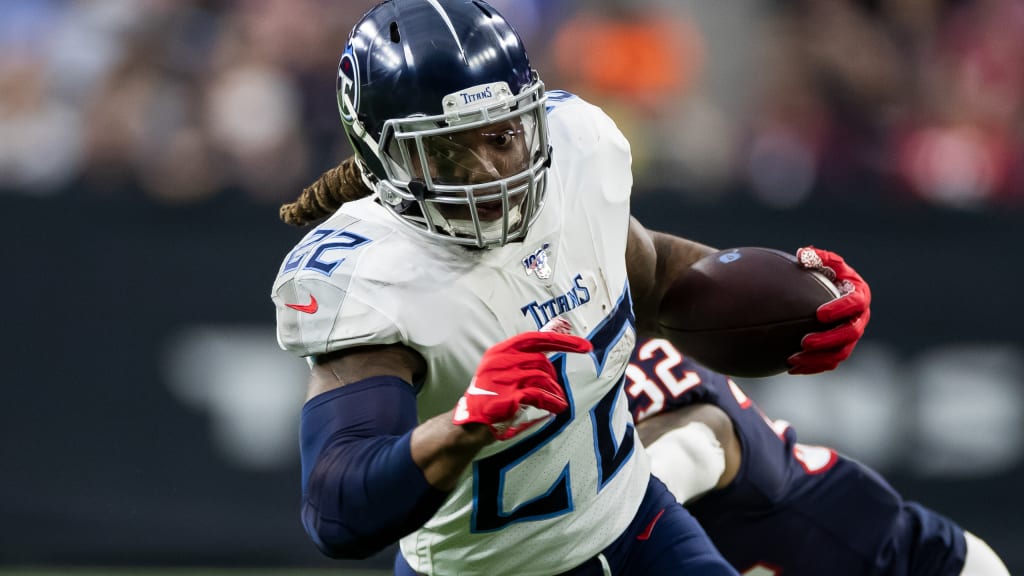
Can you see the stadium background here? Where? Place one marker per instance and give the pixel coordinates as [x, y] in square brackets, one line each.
[148, 420]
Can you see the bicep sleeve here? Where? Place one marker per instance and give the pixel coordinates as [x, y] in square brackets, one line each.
[361, 489]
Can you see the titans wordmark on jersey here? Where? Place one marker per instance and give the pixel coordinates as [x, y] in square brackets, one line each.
[362, 278]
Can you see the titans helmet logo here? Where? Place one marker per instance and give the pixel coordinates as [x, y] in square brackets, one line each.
[348, 86]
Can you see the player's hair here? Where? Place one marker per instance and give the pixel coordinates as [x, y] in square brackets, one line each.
[321, 198]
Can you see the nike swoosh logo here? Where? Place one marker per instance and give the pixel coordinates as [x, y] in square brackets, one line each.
[310, 308]
[650, 527]
[475, 390]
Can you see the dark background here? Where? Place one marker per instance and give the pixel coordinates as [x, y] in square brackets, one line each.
[104, 464]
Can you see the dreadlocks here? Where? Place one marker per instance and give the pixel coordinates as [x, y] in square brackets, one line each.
[320, 199]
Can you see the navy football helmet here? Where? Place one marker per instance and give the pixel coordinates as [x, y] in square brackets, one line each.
[447, 119]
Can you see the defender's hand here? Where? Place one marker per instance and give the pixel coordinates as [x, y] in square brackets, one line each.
[825, 350]
[514, 380]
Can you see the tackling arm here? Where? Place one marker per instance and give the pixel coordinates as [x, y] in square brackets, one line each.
[693, 449]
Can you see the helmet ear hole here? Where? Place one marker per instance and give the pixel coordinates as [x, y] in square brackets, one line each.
[396, 37]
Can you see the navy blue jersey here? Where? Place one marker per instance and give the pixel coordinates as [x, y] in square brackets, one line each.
[794, 509]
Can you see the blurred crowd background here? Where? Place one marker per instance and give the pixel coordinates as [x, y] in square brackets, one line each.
[775, 100]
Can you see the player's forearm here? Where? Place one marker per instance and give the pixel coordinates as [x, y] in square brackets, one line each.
[443, 450]
[362, 490]
[654, 261]
[719, 449]
[675, 256]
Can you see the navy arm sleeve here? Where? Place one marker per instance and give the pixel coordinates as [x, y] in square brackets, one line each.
[361, 489]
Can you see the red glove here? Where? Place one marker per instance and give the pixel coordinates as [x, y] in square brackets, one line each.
[513, 376]
[825, 350]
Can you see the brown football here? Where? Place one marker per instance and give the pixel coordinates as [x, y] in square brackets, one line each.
[743, 311]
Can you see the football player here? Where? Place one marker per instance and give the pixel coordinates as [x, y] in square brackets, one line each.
[468, 322]
[774, 506]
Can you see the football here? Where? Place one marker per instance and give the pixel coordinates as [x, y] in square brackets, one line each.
[743, 311]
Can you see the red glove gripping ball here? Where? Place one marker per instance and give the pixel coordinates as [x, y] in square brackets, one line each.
[825, 350]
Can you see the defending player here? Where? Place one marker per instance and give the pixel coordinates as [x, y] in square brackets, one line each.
[436, 414]
[773, 506]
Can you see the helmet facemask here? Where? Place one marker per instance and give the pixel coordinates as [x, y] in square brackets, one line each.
[474, 175]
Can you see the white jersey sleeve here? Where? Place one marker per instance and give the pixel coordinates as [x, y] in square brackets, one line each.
[322, 301]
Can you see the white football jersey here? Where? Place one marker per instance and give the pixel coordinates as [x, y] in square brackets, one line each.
[556, 495]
